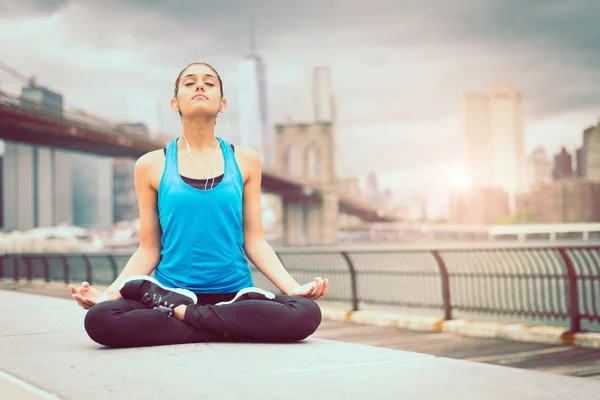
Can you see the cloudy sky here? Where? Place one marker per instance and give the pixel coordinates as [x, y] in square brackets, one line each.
[399, 67]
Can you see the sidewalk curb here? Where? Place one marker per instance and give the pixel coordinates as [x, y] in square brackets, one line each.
[486, 330]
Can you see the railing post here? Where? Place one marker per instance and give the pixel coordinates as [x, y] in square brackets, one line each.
[28, 270]
[113, 264]
[66, 268]
[572, 293]
[16, 268]
[46, 268]
[352, 280]
[445, 284]
[88, 269]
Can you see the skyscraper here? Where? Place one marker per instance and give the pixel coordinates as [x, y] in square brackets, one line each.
[254, 122]
[582, 152]
[493, 130]
[563, 165]
[323, 95]
[540, 169]
[35, 190]
[592, 154]
[477, 137]
[92, 180]
[324, 106]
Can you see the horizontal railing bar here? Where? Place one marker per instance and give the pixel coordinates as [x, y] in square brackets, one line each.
[426, 248]
[302, 251]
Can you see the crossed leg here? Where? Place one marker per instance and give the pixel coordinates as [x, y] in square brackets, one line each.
[128, 323]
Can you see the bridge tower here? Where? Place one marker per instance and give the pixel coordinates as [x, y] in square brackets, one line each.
[306, 151]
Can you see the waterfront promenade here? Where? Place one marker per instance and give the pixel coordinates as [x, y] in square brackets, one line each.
[47, 355]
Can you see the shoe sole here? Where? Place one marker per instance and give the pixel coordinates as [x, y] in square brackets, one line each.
[184, 292]
[244, 291]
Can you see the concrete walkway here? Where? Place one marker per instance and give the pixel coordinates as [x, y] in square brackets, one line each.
[563, 360]
[45, 353]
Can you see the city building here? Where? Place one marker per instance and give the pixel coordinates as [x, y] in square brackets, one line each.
[562, 201]
[478, 205]
[493, 137]
[93, 189]
[563, 165]
[323, 101]
[583, 151]
[36, 187]
[540, 168]
[580, 171]
[591, 151]
[125, 206]
[254, 126]
[371, 193]
[523, 201]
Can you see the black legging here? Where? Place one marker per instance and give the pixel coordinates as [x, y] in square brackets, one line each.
[127, 323]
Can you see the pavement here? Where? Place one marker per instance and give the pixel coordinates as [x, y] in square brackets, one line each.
[46, 354]
[562, 360]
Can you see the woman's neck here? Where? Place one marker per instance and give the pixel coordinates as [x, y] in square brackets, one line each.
[200, 134]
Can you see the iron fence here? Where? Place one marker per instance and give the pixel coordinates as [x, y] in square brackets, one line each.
[559, 282]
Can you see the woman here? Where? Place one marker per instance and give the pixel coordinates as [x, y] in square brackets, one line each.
[200, 216]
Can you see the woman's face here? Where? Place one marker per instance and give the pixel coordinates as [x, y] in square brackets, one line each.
[199, 91]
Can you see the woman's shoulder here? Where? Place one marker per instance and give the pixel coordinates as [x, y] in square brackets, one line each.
[149, 167]
[150, 160]
[245, 152]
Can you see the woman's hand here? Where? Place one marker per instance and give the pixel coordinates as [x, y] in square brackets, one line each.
[313, 290]
[86, 296]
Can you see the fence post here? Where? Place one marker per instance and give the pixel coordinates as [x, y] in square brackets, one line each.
[113, 264]
[88, 269]
[66, 268]
[573, 295]
[46, 268]
[28, 270]
[352, 280]
[16, 273]
[445, 284]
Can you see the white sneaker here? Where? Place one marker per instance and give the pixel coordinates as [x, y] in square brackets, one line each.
[249, 293]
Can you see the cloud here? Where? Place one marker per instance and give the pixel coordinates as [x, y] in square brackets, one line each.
[30, 7]
[399, 68]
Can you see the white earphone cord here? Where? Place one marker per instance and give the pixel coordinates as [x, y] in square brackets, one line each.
[212, 185]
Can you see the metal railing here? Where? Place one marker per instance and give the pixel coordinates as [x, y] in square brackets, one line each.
[557, 282]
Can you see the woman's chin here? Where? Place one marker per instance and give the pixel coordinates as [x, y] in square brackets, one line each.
[199, 110]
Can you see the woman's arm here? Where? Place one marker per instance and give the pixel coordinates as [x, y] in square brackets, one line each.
[146, 258]
[256, 247]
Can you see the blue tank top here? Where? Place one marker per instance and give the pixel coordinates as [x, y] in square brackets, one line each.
[202, 232]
